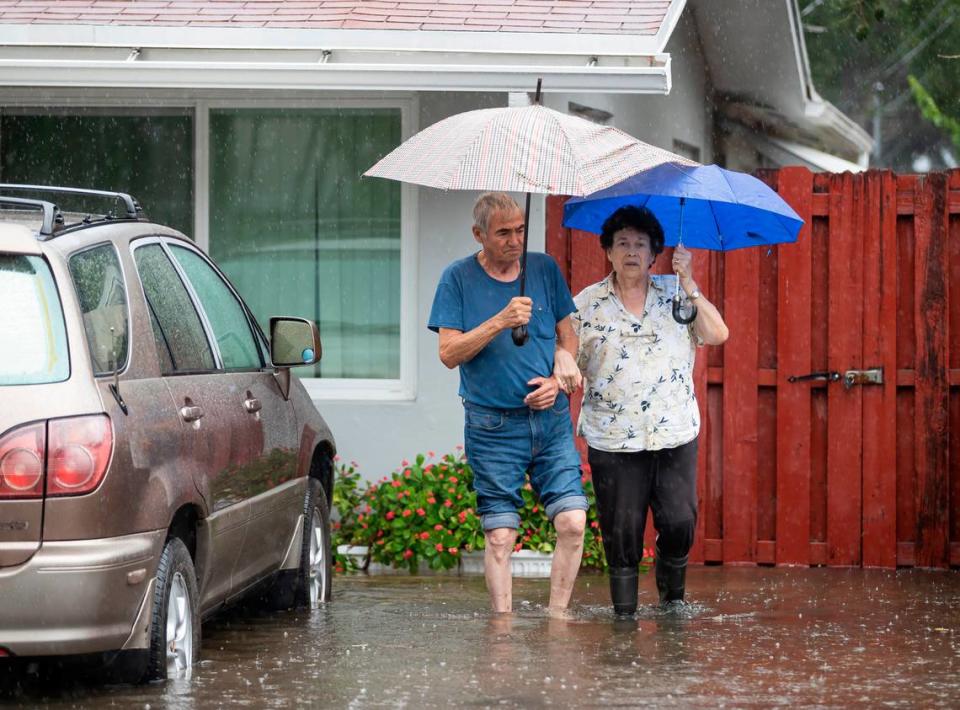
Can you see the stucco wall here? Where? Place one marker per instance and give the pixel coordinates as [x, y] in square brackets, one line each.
[379, 434]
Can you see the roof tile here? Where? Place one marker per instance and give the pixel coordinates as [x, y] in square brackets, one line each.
[643, 17]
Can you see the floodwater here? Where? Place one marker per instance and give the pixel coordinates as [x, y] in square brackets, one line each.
[754, 637]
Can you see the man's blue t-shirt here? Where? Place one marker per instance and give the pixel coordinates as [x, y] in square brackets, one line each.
[467, 296]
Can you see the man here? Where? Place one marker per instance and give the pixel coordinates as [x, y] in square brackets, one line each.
[516, 416]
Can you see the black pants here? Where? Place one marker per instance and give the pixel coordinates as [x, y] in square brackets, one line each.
[627, 483]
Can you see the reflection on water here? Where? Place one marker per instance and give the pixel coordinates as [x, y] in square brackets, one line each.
[752, 637]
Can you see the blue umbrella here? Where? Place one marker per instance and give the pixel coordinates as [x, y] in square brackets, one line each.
[705, 207]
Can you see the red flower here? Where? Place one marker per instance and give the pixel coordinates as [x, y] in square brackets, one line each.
[462, 516]
[424, 535]
[404, 463]
[594, 524]
[430, 454]
[391, 515]
[421, 511]
[406, 474]
[337, 457]
[438, 526]
[363, 525]
[428, 467]
[396, 483]
[407, 513]
[400, 495]
[431, 500]
[452, 550]
[407, 554]
[459, 448]
[453, 479]
[448, 503]
[381, 541]
[536, 509]
[439, 547]
[516, 548]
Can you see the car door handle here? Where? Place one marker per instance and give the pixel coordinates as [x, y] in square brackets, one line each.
[191, 414]
[252, 405]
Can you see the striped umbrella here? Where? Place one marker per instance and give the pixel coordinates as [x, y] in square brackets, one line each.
[520, 149]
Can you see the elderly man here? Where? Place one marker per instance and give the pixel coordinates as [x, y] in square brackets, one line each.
[516, 409]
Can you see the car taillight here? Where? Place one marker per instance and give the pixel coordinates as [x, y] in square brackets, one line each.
[78, 454]
[21, 461]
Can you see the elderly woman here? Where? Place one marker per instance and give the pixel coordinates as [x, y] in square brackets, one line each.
[640, 415]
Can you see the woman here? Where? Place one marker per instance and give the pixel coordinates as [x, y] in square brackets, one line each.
[640, 415]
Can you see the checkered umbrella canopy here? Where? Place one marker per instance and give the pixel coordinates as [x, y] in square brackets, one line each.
[520, 149]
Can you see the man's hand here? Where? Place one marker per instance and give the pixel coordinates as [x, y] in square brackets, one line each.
[566, 371]
[545, 393]
[516, 313]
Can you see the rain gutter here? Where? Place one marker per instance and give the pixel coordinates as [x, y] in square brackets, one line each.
[242, 58]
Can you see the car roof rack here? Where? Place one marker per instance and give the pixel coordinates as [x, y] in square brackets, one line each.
[132, 206]
[52, 217]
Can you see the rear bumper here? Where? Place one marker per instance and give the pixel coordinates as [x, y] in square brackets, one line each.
[80, 596]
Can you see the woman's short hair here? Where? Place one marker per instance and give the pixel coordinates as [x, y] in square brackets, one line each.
[489, 203]
[633, 217]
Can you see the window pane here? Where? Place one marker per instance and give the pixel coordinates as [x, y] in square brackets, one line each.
[103, 299]
[33, 339]
[224, 311]
[149, 156]
[177, 327]
[300, 233]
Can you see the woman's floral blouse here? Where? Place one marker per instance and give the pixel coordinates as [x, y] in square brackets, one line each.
[638, 373]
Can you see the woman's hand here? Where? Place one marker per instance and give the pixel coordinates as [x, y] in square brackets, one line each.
[683, 266]
[566, 372]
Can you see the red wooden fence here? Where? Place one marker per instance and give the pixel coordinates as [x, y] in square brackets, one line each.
[815, 472]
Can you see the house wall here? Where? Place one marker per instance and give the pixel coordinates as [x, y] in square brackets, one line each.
[378, 435]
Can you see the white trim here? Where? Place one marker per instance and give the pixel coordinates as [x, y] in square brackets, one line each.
[489, 43]
[201, 175]
[396, 76]
[787, 152]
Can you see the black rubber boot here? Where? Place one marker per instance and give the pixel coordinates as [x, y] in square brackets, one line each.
[671, 580]
[623, 590]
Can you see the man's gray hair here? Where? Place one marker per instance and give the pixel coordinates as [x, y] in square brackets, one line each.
[489, 203]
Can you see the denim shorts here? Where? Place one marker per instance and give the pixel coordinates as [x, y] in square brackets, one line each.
[503, 445]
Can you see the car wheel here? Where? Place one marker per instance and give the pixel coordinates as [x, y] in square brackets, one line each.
[175, 627]
[316, 560]
[309, 584]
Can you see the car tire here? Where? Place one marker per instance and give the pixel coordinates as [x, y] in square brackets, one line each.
[175, 626]
[308, 585]
[315, 574]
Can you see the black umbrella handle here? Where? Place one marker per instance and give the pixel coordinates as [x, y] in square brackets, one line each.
[519, 333]
[678, 312]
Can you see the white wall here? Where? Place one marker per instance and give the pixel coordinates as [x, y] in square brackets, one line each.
[379, 434]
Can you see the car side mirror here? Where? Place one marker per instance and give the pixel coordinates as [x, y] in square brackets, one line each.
[294, 342]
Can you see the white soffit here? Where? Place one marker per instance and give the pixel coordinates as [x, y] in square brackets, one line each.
[787, 152]
[185, 57]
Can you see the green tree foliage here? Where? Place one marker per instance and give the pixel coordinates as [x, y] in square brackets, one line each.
[862, 55]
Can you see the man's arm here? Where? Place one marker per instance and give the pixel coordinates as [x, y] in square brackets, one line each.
[458, 347]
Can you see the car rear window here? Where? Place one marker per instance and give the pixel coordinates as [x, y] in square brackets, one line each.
[98, 279]
[33, 337]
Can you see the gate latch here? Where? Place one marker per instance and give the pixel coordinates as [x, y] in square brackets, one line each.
[863, 377]
[832, 376]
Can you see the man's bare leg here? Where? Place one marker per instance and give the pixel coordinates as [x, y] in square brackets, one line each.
[496, 567]
[566, 557]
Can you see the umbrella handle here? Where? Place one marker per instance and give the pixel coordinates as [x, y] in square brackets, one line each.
[519, 335]
[678, 312]
[677, 305]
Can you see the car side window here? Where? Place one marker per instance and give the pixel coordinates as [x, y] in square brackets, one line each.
[226, 314]
[100, 288]
[176, 324]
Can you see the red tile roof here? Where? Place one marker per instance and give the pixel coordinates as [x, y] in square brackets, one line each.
[636, 17]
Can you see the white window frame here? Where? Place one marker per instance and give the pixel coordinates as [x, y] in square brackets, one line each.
[403, 388]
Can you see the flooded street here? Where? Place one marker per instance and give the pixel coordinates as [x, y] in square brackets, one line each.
[754, 637]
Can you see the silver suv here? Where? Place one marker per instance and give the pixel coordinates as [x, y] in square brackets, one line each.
[157, 458]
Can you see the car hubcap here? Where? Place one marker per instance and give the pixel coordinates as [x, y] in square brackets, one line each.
[318, 562]
[179, 630]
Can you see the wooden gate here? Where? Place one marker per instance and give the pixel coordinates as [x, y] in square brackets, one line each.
[839, 470]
